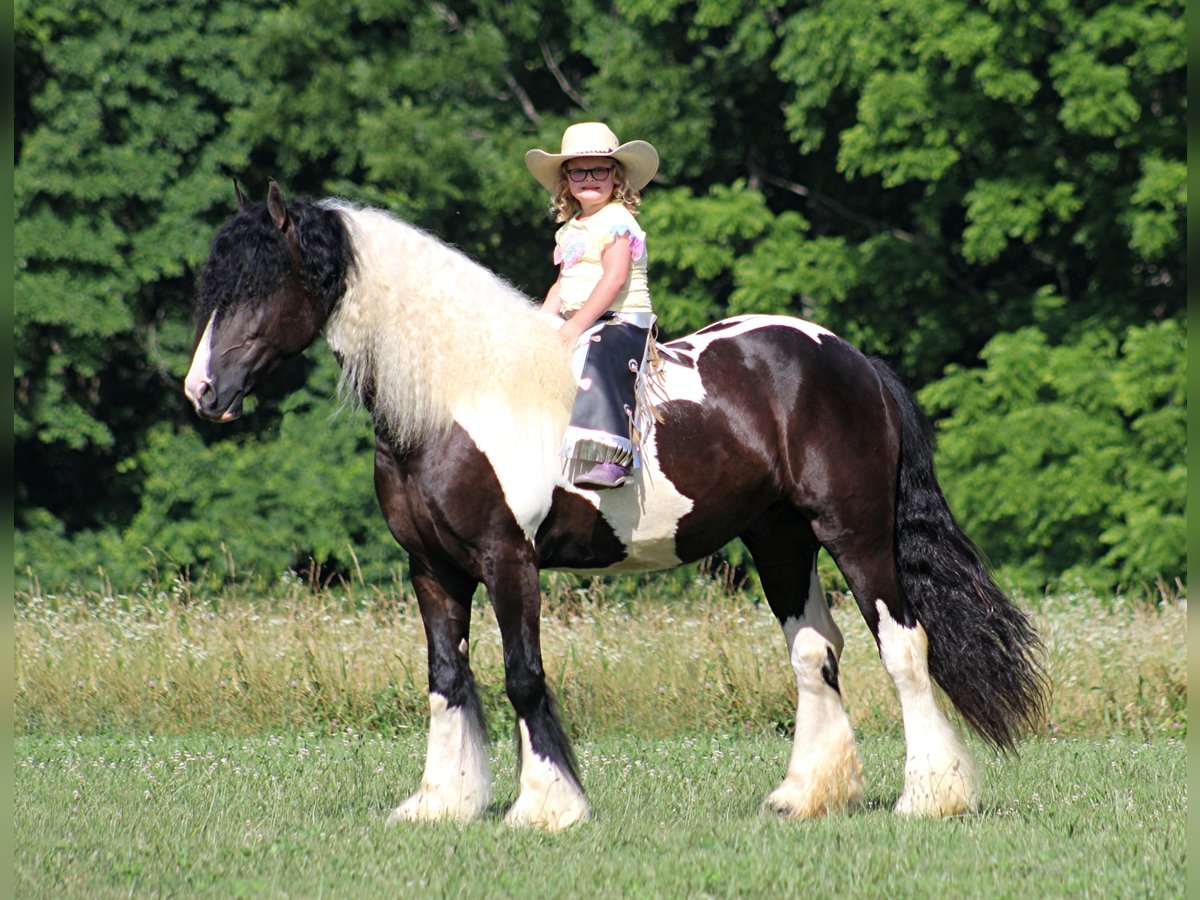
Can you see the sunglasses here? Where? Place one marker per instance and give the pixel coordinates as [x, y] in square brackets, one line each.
[599, 173]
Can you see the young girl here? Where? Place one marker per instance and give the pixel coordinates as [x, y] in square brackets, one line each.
[601, 290]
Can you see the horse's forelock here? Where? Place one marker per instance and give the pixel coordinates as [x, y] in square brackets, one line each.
[246, 262]
[249, 258]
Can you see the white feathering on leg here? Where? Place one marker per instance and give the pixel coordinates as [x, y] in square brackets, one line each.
[940, 776]
[550, 797]
[456, 783]
[824, 772]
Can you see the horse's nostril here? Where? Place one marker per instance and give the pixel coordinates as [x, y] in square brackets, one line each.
[196, 392]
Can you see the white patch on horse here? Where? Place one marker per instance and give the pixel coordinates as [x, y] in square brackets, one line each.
[824, 773]
[682, 382]
[643, 513]
[741, 325]
[523, 450]
[940, 778]
[549, 797]
[457, 783]
[198, 378]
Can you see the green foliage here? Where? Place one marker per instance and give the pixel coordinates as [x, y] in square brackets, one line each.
[253, 504]
[698, 241]
[1069, 460]
[1148, 532]
[921, 176]
[120, 150]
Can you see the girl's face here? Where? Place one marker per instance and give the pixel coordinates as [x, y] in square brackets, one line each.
[594, 186]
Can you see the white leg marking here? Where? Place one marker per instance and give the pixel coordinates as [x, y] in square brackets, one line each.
[824, 773]
[198, 379]
[456, 783]
[940, 778]
[549, 797]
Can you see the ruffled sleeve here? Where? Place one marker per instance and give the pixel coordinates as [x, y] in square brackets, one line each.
[624, 224]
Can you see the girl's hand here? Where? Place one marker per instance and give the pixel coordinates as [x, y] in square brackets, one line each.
[569, 333]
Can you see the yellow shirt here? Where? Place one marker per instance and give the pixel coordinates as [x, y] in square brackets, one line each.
[577, 248]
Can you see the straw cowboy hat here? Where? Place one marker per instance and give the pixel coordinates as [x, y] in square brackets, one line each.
[639, 158]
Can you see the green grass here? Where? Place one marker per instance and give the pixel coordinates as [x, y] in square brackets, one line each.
[173, 744]
[303, 815]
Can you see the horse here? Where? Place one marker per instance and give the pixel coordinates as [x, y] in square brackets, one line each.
[768, 428]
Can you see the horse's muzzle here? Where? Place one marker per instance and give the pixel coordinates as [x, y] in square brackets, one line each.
[209, 405]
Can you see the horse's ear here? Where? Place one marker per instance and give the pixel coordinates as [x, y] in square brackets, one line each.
[241, 198]
[277, 207]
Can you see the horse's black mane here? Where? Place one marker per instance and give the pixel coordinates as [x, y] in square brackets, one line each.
[249, 257]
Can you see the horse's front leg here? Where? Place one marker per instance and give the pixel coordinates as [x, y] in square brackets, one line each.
[550, 793]
[456, 783]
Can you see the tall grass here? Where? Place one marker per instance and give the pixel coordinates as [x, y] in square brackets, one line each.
[170, 661]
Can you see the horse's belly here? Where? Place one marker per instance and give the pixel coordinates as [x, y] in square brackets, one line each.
[632, 528]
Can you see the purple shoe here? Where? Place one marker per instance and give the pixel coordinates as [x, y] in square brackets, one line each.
[604, 475]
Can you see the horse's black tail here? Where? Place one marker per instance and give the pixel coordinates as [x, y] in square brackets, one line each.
[983, 652]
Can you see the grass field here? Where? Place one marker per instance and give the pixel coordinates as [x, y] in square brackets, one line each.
[167, 745]
[169, 663]
[303, 815]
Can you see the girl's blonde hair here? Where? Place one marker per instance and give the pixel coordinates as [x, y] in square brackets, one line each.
[564, 206]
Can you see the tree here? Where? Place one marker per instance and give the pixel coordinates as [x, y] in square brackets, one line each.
[122, 152]
[1069, 461]
[919, 175]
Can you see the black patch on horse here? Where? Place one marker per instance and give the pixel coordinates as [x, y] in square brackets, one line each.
[673, 351]
[829, 671]
[577, 536]
[249, 258]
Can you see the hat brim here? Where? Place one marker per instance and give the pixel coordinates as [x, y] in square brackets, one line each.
[639, 159]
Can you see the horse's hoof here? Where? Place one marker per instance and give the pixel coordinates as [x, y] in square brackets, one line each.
[939, 787]
[924, 806]
[790, 802]
[426, 806]
[562, 817]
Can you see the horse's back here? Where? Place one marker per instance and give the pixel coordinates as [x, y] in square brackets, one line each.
[785, 374]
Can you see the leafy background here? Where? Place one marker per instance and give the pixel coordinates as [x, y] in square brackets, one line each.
[990, 196]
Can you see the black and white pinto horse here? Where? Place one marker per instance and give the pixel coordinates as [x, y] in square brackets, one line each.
[772, 430]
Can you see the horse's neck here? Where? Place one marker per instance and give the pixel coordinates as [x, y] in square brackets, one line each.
[423, 331]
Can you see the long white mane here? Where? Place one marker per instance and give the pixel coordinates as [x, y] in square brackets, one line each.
[432, 332]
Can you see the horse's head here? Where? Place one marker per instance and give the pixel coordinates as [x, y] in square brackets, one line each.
[260, 301]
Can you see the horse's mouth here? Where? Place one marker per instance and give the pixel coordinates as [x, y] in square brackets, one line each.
[228, 414]
[234, 410]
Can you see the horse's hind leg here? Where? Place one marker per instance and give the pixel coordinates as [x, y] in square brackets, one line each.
[550, 794]
[456, 783]
[940, 777]
[824, 772]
